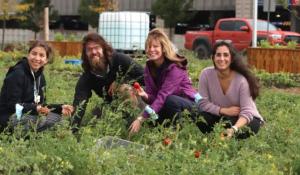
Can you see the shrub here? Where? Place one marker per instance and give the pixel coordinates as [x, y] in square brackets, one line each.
[292, 44]
[264, 44]
[267, 44]
[59, 36]
[280, 80]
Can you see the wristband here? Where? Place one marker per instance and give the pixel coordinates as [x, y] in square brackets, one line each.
[197, 97]
[235, 128]
[19, 109]
[151, 112]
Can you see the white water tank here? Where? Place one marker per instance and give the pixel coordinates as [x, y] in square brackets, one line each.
[125, 31]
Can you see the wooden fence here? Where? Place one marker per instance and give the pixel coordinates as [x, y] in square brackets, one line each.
[275, 60]
[66, 48]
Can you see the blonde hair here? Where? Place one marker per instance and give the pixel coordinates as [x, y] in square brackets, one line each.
[167, 46]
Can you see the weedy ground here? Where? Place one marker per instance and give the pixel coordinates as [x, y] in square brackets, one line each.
[275, 150]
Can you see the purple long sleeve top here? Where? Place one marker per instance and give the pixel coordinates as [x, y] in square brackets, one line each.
[238, 94]
[172, 80]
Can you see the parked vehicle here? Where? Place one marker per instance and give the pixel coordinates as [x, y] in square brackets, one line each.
[125, 31]
[238, 31]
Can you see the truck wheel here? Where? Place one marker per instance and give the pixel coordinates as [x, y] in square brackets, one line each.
[202, 52]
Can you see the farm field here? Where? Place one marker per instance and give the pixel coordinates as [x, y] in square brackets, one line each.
[275, 150]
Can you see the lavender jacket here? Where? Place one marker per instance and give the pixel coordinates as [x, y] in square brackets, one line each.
[172, 80]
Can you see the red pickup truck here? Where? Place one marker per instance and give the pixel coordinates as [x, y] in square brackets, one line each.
[238, 31]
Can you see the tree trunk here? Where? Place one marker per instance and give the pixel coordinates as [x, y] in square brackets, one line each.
[3, 33]
[295, 19]
[298, 19]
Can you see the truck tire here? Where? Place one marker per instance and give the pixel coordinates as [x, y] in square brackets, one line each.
[202, 52]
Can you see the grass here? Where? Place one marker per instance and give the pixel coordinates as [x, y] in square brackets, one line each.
[275, 150]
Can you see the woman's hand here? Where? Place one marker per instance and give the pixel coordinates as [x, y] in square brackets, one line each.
[67, 110]
[232, 111]
[42, 110]
[140, 92]
[136, 125]
[229, 133]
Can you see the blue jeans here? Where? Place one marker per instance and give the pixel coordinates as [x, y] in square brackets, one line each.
[172, 108]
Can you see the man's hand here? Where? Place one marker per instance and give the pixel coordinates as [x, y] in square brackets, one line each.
[111, 89]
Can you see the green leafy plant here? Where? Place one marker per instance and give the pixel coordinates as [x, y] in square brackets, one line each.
[292, 44]
[59, 36]
[280, 80]
[264, 44]
[267, 44]
[73, 37]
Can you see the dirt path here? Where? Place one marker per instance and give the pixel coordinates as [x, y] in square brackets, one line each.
[294, 90]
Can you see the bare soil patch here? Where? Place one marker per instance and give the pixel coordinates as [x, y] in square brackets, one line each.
[293, 90]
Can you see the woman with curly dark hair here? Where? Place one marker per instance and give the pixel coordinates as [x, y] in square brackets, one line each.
[229, 90]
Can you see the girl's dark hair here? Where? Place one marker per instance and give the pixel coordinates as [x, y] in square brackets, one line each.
[44, 45]
[94, 37]
[238, 64]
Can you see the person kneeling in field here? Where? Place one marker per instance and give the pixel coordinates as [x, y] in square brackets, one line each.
[102, 66]
[229, 90]
[22, 98]
[168, 89]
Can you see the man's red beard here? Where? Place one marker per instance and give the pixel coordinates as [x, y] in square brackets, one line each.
[98, 65]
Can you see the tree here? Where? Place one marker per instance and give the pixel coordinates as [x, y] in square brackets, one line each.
[294, 11]
[8, 9]
[89, 10]
[172, 11]
[34, 17]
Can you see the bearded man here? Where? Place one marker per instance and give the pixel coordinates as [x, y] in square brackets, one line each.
[102, 67]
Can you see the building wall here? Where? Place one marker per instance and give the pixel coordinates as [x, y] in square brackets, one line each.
[24, 35]
[134, 5]
[17, 35]
[70, 7]
[214, 4]
[66, 7]
[243, 8]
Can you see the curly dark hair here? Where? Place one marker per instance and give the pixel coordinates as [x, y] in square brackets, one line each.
[94, 37]
[238, 64]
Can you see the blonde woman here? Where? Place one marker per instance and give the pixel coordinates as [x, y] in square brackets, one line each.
[168, 89]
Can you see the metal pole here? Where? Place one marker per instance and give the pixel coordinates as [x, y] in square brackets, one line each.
[254, 32]
[269, 8]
